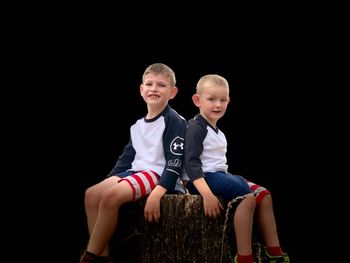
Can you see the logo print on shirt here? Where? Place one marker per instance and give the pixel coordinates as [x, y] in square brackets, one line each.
[177, 146]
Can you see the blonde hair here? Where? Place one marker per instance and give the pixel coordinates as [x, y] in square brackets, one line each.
[160, 68]
[211, 80]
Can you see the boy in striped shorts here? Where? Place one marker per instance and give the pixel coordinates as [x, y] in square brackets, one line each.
[149, 165]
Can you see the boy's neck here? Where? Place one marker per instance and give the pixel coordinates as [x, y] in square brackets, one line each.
[154, 111]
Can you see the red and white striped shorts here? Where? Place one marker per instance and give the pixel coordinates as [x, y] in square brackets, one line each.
[142, 183]
[259, 191]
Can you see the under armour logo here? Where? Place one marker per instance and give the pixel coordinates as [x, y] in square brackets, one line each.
[178, 145]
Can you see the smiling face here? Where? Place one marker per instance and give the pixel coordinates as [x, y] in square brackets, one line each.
[156, 91]
[212, 98]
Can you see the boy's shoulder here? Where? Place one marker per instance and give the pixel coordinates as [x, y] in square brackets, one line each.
[198, 120]
[171, 113]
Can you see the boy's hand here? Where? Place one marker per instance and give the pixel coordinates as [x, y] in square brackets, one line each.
[152, 207]
[212, 206]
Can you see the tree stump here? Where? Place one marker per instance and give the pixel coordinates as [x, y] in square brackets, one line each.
[183, 234]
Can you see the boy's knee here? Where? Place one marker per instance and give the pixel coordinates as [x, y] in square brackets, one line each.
[263, 199]
[91, 196]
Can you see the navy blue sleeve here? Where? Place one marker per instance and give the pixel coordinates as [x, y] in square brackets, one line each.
[195, 135]
[173, 143]
[124, 160]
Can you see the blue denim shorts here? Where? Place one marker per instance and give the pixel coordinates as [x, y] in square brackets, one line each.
[225, 185]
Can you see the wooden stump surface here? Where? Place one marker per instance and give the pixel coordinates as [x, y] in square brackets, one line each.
[183, 234]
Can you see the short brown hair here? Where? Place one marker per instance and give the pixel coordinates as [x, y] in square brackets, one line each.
[160, 68]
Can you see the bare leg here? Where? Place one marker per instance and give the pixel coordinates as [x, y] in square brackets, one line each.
[243, 223]
[266, 222]
[93, 197]
[102, 203]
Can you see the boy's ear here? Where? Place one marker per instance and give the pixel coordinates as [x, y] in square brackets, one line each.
[174, 91]
[141, 88]
[195, 99]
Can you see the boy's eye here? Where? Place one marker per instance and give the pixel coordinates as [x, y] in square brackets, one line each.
[160, 85]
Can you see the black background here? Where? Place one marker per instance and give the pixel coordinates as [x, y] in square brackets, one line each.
[82, 96]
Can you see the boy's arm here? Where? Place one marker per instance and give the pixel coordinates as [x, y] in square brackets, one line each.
[194, 138]
[195, 135]
[173, 144]
[124, 160]
[211, 203]
[152, 207]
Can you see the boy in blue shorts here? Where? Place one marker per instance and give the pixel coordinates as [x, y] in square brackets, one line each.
[206, 166]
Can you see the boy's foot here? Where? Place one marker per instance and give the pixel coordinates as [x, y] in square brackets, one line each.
[277, 259]
[88, 257]
[235, 259]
